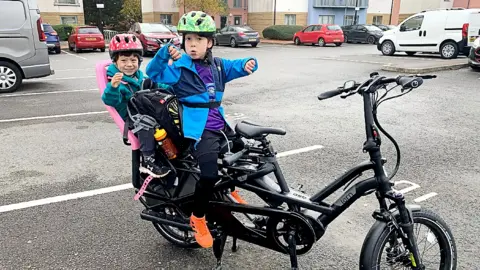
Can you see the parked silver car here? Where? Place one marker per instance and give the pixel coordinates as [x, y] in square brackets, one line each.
[23, 48]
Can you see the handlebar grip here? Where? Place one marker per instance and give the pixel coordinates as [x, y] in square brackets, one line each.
[329, 94]
[229, 160]
[409, 82]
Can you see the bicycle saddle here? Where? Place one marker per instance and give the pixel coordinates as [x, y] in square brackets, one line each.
[251, 130]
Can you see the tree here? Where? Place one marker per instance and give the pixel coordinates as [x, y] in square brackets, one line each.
[211, 7]
[131, 11]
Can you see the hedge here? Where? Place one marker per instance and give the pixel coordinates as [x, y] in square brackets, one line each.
[281, 32]
[63, 31]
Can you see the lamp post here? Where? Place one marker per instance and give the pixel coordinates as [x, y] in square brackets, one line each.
[100, 6]
[274, 11]
[356, 10]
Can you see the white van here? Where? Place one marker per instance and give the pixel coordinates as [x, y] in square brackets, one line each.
[23, 48]
[444, 31]
[473, 28]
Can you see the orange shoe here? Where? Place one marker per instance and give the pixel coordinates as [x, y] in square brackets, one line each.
[201, 232]
[237, 197]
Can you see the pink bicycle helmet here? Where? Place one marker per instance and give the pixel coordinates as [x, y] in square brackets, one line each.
[125, 43]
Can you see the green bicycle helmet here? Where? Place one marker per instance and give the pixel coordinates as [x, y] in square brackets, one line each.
[197, 22]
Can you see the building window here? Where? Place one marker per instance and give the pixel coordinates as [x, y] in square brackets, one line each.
[66, 2]
[326, 19]
[237, 3]
[237, 20]
[348, 20]
[377, 19]
[290, 19]
[166, 18]
[69, 19]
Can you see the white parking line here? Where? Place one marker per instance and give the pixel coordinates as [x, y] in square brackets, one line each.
[57, 79]
[425, 197]
[73, 69]
[49, 116]
[46, 93]
[89, 193]
[74, 55]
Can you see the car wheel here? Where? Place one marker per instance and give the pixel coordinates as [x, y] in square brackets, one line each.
[475, 68]
[321, 42]
[371, 40]
[449, 50]
[297, 41]
[338, 44]
[388, 48]
[75, 49]
[58, 50]
[233, 43]
[102, 49]
[254, 45]
[345, 39]
[410, 53]
[70, 48]
[10, 77]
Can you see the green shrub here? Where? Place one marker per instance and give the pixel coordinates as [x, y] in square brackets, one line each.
[63, 31]
[281, 32]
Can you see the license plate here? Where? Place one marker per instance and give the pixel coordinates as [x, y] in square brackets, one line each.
[90, 39]
[336, 40]
[252, 39]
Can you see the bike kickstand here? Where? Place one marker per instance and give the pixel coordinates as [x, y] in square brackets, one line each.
[292, 248]
[218, 247]
[234, 244]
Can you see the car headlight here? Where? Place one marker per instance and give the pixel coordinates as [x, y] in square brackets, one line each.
[476, 43]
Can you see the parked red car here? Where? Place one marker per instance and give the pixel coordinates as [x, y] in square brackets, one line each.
[153, 36]
[320, 34]
[86, 37]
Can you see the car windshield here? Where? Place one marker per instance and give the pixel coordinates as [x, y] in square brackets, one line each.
[48, 28]
[334, 27]
[154, 28]
[172, 28]
[372, 28]
[244, 28]
[88, 30]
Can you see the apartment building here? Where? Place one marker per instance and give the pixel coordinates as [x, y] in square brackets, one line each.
[61, 11]
[264, 13]
[340, 12]
[466, 3]
[411, 7]
[166, 11]
[379, 11]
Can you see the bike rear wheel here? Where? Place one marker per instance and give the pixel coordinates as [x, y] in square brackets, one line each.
[385, 249]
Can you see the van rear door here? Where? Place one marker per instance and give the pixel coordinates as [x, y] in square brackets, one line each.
[16, 35]
[473, 27]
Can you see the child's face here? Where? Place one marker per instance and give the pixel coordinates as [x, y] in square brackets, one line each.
[196, 46]
[128, 65]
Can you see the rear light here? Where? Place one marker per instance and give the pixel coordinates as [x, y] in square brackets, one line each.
[241, 34]
[465, 30]
[41, 35]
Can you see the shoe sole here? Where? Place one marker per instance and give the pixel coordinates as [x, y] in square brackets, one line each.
[147, 171]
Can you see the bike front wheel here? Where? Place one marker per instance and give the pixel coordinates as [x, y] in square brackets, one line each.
[383, 249]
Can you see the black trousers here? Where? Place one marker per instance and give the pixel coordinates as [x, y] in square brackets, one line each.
[206, 153]
[147, 141]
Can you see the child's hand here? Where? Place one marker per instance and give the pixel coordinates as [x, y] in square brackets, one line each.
[174, 54]
[249, 66]
[117, 79]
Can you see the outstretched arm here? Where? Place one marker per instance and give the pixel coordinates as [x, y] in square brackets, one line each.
[235, 69]
[159, 69]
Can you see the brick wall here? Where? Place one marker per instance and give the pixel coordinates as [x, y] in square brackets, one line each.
[261, 20]
[53, 18]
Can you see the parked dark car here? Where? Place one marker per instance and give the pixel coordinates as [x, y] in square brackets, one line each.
[53, 41]
[362, 33]
[237, 35]
[384, 27]
[153, 36]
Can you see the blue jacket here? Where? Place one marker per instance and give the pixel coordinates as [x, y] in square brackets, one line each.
[119, 97]
[187, 85]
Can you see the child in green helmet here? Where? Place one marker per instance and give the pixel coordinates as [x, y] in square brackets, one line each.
[198, 80]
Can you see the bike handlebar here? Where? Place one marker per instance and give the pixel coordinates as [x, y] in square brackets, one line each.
[405, 81]
[229, 160]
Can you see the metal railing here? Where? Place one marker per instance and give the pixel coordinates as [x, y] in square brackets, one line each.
[109, 34]
[340, 3]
